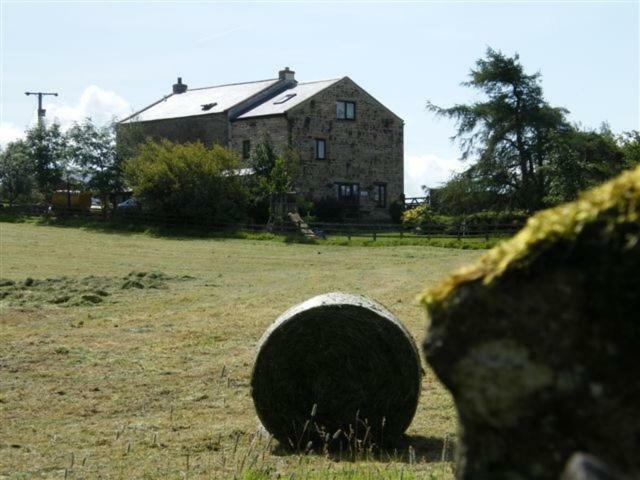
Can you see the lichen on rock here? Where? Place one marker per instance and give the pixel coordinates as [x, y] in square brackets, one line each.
[538, 341]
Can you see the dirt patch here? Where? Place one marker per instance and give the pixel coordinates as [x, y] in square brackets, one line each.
[72, 291]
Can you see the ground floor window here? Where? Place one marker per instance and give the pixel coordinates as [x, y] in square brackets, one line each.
[380, 194]
[349, 192]
[246, 149]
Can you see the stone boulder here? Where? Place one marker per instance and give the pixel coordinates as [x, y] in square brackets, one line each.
[539, 342]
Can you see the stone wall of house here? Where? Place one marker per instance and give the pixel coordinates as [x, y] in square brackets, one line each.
[209, 129]
[366, 151]
[255, 129]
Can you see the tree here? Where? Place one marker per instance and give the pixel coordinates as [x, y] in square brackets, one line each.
[467, 192]
[580, 160]
[509, 133]
[16, 173]
[629, 143]
[188, 182]
[92, 150]
[275, 174]
[46, 147]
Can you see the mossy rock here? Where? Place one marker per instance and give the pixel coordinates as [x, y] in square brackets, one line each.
[539, 342]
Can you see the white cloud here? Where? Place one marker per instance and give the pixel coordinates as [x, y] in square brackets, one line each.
[9, 132]
[427, 169]
[98, 104]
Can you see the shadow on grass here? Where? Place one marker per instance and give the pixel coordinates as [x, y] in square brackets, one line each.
[124, 226]
[408, 449]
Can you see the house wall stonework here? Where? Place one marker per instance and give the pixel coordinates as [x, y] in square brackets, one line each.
[255, 129]
[366, 151]
[208, 129]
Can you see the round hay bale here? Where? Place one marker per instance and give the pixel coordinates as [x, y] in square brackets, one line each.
[338, 366]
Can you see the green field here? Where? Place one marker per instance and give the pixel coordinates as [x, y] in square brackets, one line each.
[103, 381]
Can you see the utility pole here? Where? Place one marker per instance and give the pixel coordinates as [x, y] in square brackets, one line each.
[41, 111]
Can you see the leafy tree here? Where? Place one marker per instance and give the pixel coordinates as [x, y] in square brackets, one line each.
[263, 157]
[185, 182]
[92, 150]
[507, 134]
[467, 192]
[16, 173]
[46, 147]
[629, 143]
[275, 174]
[580, 160]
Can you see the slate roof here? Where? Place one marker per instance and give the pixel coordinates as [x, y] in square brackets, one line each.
[195, 101]
[288, 99]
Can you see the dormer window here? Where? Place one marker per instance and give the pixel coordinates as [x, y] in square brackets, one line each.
[208, 106]
[284, 99]
[346, 110]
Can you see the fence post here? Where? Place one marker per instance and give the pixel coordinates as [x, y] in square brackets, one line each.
[374, 235]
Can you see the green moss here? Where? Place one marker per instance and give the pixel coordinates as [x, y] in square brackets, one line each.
[614, 202]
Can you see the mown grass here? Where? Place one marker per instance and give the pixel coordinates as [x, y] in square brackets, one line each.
[155, 382]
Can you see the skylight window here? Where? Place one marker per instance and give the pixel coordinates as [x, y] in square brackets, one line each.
[286, 98]
[208, 106]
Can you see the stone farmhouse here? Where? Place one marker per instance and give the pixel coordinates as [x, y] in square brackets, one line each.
[350, 145]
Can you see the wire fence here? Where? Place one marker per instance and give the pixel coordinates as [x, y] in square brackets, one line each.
[132, 217]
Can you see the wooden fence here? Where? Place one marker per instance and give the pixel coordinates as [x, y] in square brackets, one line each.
[456, 230]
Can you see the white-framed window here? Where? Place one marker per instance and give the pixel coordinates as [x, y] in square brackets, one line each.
[349, 192]
[321, 148]
[345, 110]
[380, 194]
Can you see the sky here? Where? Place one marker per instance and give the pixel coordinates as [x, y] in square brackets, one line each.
[108, 59]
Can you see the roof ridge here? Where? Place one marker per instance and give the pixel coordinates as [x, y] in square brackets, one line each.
[231, 84]
[320, 81]
[133, 115]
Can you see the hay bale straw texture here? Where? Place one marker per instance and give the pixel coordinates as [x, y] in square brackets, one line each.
[539, 342]
[337, 366]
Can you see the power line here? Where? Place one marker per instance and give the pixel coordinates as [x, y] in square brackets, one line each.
[41, 111]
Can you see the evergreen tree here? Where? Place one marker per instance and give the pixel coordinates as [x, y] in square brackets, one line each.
[509, 133]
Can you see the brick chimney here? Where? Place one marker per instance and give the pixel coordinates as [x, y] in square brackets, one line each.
[179, 87]
[287, 75]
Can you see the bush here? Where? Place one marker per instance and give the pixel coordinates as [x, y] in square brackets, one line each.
[188, 182]
[396, 211]
[329, 209]
[306, 209]
[422, 217]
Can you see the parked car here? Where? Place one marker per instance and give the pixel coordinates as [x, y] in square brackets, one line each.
[96, 205]
[130, 204]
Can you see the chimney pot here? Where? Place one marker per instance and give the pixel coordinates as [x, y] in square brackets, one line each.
[179, 87]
